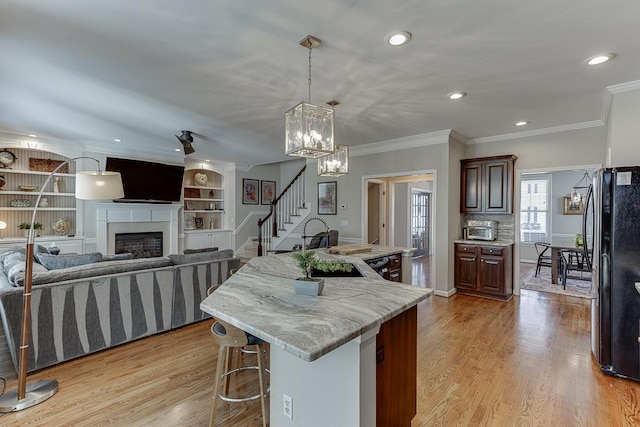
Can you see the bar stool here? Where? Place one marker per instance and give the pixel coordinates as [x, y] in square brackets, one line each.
[230, 338]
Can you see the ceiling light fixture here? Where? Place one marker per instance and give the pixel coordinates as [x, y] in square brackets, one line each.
[33, 135]
[600, 59]
[398, 38]
[583, 184]
[186, 139]
[309, 128]
[117, 140]
[522, 123]
[336, 163]
[456, 95]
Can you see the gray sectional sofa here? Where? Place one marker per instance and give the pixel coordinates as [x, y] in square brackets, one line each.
[86, 308]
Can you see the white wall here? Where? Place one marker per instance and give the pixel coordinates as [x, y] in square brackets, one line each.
[624, 129]
[251, 213]
[401, 197]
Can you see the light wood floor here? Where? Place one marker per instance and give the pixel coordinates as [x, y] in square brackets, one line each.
[480, 363]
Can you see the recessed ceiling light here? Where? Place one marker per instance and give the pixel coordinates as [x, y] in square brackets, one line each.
[117, 140]
[398, 38]
[33, 135]
[599, 59]
[207, 160]
[522, 123]
[177, 149]
[456, 95]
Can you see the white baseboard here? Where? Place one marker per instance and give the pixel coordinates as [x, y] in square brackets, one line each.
[446, 294]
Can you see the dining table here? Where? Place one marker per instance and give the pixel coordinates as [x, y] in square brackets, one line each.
[555, 253]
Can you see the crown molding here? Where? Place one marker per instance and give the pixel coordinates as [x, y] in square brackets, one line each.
[607, 100]
[458, 137]
[624, 87]
[422, 140]
[536, 132]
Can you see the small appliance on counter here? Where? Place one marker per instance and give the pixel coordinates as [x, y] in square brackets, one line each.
[480, 230]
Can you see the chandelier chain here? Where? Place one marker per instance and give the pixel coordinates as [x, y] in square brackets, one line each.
[310, 74]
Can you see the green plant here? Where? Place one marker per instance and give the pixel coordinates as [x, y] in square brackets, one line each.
[331, 266]
[27, 225]
[306, 261]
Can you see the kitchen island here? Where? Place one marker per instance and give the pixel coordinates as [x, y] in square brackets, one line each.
[323, 349]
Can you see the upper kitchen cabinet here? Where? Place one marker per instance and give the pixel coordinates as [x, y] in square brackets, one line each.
[486, 184]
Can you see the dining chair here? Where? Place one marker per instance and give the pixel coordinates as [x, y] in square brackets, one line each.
[544, 259]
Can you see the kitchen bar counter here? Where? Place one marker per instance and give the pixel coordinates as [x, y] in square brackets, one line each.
[501, 243]
[259, 299]
[323, 351]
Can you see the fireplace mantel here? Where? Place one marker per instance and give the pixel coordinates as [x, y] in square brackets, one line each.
[122, 217]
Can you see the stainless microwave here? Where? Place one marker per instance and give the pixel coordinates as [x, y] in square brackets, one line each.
[480, 230]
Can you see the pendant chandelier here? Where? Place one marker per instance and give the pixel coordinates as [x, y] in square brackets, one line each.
[309, 128]
[583, 184]
[336, 163]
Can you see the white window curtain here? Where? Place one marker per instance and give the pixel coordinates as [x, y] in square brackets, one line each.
[535, 194]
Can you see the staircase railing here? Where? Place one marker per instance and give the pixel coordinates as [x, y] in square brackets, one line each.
[281, 210]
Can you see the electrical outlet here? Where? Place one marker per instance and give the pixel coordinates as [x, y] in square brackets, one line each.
[287, 406]
[344, 223]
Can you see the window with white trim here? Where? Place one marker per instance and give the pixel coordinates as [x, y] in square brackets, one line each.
[535, 194]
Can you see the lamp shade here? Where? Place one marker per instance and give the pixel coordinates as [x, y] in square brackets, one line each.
[99, 185]
[309, 131]
[335, 164]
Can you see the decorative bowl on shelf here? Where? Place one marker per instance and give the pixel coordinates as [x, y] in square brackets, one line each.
[28, 187]
[61, 226]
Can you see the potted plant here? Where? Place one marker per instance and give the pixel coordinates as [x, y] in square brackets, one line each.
[306, 285]
[26, 226]
[308, 263]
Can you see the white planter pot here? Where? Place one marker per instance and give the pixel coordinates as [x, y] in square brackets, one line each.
[308, 287]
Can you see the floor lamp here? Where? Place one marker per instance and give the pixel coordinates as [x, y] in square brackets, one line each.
[90, 185]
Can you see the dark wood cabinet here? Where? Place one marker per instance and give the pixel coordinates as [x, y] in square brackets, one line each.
[396, 365]
[484, 270]
[486, 184]
[466, 269]
[389, 267]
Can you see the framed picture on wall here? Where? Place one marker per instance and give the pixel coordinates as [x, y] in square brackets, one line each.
[571, 208]
[250, 191]
[327, 198]
[267, 192]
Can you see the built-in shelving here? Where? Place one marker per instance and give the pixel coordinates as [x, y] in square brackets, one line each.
[204, 200]
[54, 204]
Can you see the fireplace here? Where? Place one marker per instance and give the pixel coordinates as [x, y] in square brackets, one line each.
[140, 245]
[128, 218]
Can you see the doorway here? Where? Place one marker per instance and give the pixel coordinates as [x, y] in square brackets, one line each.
[389, 218]
[420, 216]
[376, 192]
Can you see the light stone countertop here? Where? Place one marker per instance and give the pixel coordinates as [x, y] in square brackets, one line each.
[502, 243]
[259, 299]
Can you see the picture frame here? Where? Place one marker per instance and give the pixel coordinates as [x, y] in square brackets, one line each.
[267, 192]
[189, 222]
[328, 198]
[199, 223]
[571, 208]
[250, 191]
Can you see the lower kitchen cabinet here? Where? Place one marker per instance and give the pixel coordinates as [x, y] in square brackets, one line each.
[389, 267]
[207, 239]
[484, 270]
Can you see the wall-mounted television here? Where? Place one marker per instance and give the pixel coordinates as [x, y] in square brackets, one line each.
[148, 181]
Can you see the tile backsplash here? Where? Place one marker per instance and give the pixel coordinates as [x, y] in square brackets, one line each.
[506, 224]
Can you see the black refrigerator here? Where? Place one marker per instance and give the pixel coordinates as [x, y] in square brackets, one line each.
[612, 220]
